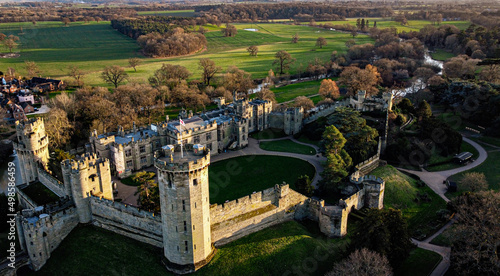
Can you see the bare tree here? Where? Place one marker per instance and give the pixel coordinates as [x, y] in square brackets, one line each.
[114, 75]
[283, 59]
[134, 62]
[11, 43]
[209, 69]
[58, 128]
[253, 50]
[304, 102]
[66, 21]
[473, 182]
[31, 68]
[321, 41]
[476, 234]
[238, 81]
[267, 94]
[329, 89]
[77, 74]
[229, 31]
[362, 263]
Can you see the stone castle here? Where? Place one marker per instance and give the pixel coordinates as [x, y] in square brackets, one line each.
[189, 228]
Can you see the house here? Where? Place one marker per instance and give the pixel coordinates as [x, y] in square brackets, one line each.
[26, 96]
[28, 108]
[18, 112]
[44, 84]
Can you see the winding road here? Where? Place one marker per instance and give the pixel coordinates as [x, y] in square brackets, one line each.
[435, 181]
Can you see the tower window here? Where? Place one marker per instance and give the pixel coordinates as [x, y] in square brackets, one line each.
[186, 245]
[172, 207]
[183, 205]
[195, 181]
[195, 205]
[195, 247]
[177, 248]
[193, 226]
[169, 183]
[185, 226]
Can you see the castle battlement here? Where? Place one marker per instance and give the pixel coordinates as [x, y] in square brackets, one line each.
[189, 162]
[29, 125]
[40, 220]
[124, 208]
[85, 161]
[249, 199]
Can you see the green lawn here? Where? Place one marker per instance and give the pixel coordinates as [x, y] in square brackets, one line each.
[495, 141]
[287, 146]
[420, 263]
[272, 251]
[291, 91]
[240, 176]
[303, 138]
[93, 45]
[443, 239]
[401, 192]
[442, 55]
[490, 170]
[437, 158]
[40, 194]
[270, 133]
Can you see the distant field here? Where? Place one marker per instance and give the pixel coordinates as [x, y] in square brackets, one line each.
[413, 25]
[93, 46]
[181, 13]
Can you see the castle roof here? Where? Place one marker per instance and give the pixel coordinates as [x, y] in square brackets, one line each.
[192, 122]
[127, 138]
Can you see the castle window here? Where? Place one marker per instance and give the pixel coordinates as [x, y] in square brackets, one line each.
[197, 139]
[195, 205]
[176, 230]
[177, 248]
[195, 247]
[40, 253]
[31, 243]
[183, 205]
[186, 245]
[244, 138]
[172, 207]
[142, 149]
[144, 160]
[128, 153]
[243, 129]
[129, 163]
[169, 183]
[195, 181]
[185, 226]
[209, 136]
[193, 227]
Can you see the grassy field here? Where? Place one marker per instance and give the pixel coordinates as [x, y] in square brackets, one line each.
[291, 91]
[181, 13]
[240, 176]
[490, 170]
[270, 133]
[287, 146]
[271, 251]
[40, 194]
[413, 25]
[400, 193]
[420, 263]
[95, 45]
[441, 54]
[443, 239]
[437, 158]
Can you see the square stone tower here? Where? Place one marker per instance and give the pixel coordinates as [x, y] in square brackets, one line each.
[185, 207]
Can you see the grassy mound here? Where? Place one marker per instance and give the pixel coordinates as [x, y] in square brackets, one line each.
[418, 204]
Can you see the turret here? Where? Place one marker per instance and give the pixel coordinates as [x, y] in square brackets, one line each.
[185, 208]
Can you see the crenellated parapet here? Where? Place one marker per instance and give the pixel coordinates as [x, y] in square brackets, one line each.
[178, 164]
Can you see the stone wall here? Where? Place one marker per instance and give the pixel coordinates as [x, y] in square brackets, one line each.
[276, 120]
[249, 214]
[56, 186]
[24, 200]
[43, 233]
[127, 220]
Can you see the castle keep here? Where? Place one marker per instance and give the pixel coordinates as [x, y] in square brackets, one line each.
[188, 228]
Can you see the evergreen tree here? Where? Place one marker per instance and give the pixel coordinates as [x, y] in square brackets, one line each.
[304, 185]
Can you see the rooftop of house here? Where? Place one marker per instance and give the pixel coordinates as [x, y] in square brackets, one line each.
[138, 135]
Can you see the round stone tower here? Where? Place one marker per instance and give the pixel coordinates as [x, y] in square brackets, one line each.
[32, 147]
[185, 207]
